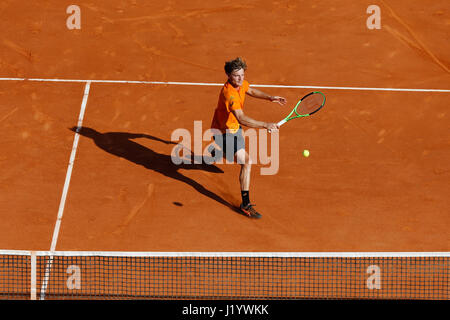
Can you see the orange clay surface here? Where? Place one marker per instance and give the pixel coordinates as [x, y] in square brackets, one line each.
[377, 178]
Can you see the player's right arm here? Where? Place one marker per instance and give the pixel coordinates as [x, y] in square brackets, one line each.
[252, 123]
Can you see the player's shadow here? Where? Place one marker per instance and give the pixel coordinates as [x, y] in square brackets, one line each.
[121, 145]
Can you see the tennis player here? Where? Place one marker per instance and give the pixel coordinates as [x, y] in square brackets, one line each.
[229, 118]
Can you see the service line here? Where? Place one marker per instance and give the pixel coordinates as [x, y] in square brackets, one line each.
[221, 84]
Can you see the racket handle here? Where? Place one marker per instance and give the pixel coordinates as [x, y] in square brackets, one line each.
[279, 124]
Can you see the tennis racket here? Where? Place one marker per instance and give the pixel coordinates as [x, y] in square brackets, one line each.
[306, 106]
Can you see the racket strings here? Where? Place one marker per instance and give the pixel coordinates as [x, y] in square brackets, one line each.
[310, 104]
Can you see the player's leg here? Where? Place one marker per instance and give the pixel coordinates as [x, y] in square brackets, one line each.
[244, 160]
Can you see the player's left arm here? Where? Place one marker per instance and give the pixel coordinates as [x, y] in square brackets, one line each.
[255, 93]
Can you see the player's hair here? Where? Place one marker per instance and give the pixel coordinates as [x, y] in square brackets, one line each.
[235, 64]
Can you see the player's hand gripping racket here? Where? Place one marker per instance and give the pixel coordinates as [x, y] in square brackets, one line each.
[306, 106]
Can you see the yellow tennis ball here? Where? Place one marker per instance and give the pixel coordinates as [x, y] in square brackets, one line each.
[306, 153]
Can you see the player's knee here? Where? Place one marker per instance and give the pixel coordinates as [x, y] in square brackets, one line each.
[245, 161]
[242, 157]
[246, 169]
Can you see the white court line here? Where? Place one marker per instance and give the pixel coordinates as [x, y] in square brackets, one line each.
[221, 84]
[65, 189]
[70, 167]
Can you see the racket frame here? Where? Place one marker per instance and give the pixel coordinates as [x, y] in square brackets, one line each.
[288, 118]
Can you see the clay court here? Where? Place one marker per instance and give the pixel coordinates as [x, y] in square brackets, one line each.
[377, 178]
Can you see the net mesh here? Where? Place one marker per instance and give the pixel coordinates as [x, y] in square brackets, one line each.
[224, 277]
[310, 103]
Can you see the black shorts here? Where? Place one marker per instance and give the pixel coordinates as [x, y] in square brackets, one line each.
[229, 141]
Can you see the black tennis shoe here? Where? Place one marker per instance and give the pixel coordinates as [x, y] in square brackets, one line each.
[249, 211]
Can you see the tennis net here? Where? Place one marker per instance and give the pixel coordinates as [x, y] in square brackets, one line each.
[227, 275]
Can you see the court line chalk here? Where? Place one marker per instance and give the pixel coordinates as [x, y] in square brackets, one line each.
[221, 84]
[65, 189]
